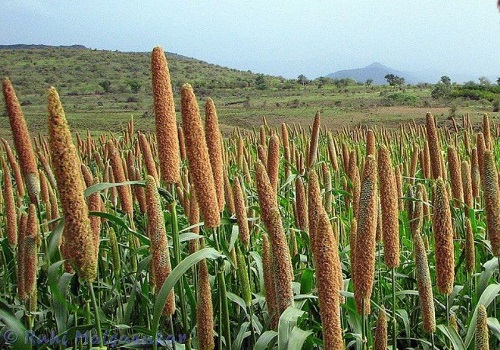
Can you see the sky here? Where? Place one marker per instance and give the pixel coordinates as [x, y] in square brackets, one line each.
[459, 38]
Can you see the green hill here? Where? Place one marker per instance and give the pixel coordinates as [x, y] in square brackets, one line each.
[76, 70]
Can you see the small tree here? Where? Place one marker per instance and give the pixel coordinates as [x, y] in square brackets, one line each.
[135, 86]
[394, 80]
[260, 82]
[446, 80]
[302, 80]
[106, 85]
[483, 81]
[369, 82]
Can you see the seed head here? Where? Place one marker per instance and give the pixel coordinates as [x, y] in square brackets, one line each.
[166, 128]
[204, 309]
[424, 284]
[381, 330]
[159, 245]
[77, 234]
[492, 201]
[199, 160]
[443, 239]
[22, 141]
[367, 227]
[241, 214]
[214, 144]
[482, 341]
[389, 204]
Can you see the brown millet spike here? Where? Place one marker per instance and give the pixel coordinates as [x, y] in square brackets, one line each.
[314, 204]
[214, 144]
[434, 147]
[455, 177]
[467, 186]
[270, 214]
[95, 204]
[481, 334]
[286, 149]
[487, 132]
[443, 239]
[370, 142]
[30, 247]
[148, 157]
[241, 213]
[381, 330]
[182, 142]
[10, 205]
[270, 287]
[424, 284]
[18, 178]
[389, 204]
[475, 175]
[273, 161]
[327, 275]
[301, 205]
[159, 245]
[22, 141]
[470, 253]
[492, 201]
[313, 144]
[166, 127]
[124, 191]
[332, 153]
[356, 189]
[204, 309]
[481, 147]
[199, 160]
[228, 192]
[327, 183]
[367, 227]
[77, 233]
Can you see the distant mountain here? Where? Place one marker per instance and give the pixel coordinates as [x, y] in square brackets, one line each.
[375, 71]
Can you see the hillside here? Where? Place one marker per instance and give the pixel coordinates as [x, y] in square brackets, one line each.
[374, 71]
[102, 90]
[77, 70]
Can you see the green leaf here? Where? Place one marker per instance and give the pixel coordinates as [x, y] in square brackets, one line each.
[494, 326]
[105, 185]
[14, 333]
[288, 320]
[306, 281]
[452, 335]
[297, 338]
[54, 238]
[238, 300]
[242, 334]
[484, 278]
[486, 298]
[266, 340]
[175, 275]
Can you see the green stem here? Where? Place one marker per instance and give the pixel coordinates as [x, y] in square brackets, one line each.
[180, 285]
[394, 322]
[224, 307]
[172, 330]
[432, 341]
[363, 325]
[97, 319]
[250, 306]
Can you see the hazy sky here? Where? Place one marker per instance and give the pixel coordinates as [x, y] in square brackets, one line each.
[278, 37]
